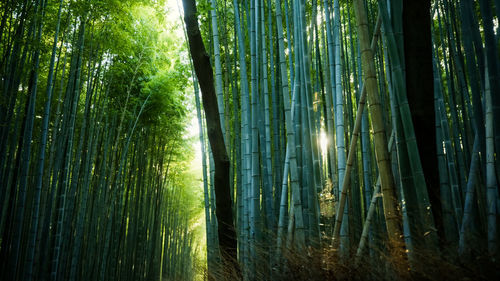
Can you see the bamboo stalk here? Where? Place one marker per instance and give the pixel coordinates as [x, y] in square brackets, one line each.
[352, 149]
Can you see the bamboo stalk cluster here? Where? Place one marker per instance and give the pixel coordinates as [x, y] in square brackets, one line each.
[302, 69]
[92, 172]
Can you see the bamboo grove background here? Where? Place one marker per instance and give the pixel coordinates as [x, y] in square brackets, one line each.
[290, 75]
[93, 158]
[315, 111]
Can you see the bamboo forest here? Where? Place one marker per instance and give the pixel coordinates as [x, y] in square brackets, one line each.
[249, 140]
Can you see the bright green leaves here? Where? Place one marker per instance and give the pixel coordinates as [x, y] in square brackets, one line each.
[145, 62]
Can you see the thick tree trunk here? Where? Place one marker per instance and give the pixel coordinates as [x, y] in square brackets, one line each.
[420, 92]
[203, 70]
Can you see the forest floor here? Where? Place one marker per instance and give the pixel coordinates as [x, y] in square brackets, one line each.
[326, 265]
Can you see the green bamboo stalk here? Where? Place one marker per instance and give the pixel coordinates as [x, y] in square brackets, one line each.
[297, 204]
[392, 216]
[491, 183]
[218, 68]
[424, 207]
[352, 150]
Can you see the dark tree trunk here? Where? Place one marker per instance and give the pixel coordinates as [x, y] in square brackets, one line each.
[420, 91]
[203, 70]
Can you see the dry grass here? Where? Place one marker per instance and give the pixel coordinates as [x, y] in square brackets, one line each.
[324, 264]
[378, 263]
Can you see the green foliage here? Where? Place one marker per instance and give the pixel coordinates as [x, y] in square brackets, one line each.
[102, 190]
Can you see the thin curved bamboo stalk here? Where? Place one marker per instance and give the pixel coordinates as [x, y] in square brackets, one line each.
[352, 149]
[371, 211]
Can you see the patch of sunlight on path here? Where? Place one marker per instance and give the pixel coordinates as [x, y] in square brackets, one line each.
[199, 224]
